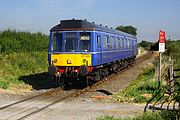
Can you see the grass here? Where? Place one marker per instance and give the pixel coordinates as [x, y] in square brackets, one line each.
[164, 115]
[15, 65]
[144, 116]
[141, 89]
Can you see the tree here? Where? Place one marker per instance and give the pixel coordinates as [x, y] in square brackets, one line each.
[127, 29]
[146, 44]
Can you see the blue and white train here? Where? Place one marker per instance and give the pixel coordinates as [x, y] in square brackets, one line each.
[84, 51]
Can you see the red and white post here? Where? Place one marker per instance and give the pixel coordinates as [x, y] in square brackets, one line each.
[162, 40]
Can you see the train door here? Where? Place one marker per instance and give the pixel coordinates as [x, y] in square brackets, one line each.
[99, 48]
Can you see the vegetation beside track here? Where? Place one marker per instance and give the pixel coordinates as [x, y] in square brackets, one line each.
[21, 53]
[141, 89]
[20, 41]
[15, 65]
[144, 116]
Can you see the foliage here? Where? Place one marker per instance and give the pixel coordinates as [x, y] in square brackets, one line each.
[144, 116]
[127, 29]
[17, 41]
[14, 65]
[145, 44]
[174, 49]
[107, 118]
[141, 89]
[155, 46]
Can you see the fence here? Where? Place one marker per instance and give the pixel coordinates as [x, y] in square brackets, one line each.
[168, 92]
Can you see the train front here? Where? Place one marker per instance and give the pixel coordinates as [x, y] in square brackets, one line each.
[69, 55]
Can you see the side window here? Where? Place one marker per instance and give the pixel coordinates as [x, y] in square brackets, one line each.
[128, 43]
[104, 39]
[120, 42]
[57, 42]
[54, 42]
[117, 42]
[110, 42]
[125, 44]
[98, 41]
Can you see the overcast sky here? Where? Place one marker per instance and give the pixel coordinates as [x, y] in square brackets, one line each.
[148, 16]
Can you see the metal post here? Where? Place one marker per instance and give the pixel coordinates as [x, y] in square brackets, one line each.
[171, 71]
[159, 78]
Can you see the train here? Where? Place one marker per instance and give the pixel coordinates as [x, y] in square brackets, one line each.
[85, 52]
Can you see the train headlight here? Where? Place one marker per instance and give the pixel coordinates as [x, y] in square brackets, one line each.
[55, 61]
[58, 74]
[69, 61]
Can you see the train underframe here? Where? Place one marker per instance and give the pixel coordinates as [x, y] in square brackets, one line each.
[85, 75]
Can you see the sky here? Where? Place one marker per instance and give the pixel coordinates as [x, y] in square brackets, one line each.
[148, 16]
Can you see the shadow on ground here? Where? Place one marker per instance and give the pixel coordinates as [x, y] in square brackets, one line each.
[104, 92]
[39, 81]
[45, 81]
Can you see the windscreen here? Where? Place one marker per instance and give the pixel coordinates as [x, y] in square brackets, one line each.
[71, 42]
[85, 43]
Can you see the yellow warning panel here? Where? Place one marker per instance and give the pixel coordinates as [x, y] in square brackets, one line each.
[71, 59]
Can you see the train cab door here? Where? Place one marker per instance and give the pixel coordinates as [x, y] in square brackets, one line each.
[99, 48]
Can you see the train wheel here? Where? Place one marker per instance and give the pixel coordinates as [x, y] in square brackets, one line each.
[60, 81]
[96, 76]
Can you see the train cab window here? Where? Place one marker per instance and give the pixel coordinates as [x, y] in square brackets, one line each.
[70, 42]
[56, 42]
[85, 41]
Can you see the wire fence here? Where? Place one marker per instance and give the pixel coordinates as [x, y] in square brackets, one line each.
[167, 96]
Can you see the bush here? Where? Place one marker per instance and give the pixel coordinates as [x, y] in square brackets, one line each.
[15, 65]
[17, 41]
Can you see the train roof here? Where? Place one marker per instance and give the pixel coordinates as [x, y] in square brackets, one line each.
[84, 25]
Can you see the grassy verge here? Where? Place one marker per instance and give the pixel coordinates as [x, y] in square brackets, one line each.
[141, 89]
[145, 116]
[15, 65]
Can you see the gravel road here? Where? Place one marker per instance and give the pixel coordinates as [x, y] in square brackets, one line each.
[88, 106]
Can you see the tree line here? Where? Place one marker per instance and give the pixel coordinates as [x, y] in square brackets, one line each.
[18, 41]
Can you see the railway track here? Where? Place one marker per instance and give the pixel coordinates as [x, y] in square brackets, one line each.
[28, 107]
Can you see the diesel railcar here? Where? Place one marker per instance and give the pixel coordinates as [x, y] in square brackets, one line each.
[83, 51]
